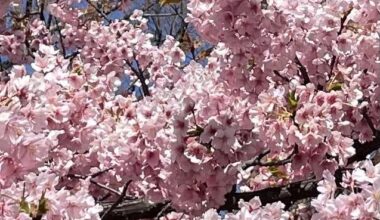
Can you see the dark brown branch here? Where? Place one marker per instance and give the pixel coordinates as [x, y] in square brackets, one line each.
[303, 71]
[42, 8]
[99, 11]
[137, 209]
[100, 185]
[281, 76]
[101, 172]
[342, 21]
[254, 161]
[60, 38]
[38, 217]
[140, 75]
[117, 202]
[28, 7]
[370, 123]
[288, 194]
[362, 150]
[95, 183]
[132, 84]
[166, 207]
[72, 56]
[27, 45]
[257, 161]
[49, 20]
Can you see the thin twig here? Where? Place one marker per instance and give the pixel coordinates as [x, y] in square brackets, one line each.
[281, 76]
[257, 161]
[132, 84]
[101, 172]
[42, 8]
[183, 214]
[139, 73]
[303, 71]
[253, 161]
[95, 183]
[105, 187]
[60, 38]
[370, 123]
[29, 5]
[163, 211]
[118, 201]
[342, 21]
[28, 49]
[99, 11]
[160, 15]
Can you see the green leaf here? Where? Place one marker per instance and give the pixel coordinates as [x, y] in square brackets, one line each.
[42, 205]
[335, 86]
[24, 206]
[164, 2]
[195, 132]
[292, 101]
[276, 172]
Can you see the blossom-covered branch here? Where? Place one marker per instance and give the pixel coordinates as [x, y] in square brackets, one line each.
[262, 109]
[288, 194]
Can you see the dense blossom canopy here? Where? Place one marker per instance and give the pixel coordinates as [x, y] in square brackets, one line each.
[288, 92]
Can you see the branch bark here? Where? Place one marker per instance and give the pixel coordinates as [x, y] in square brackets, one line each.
[303, 71]
[342, 21]
[140, 75]
[137, 209]
[288, 194]
[117, 202]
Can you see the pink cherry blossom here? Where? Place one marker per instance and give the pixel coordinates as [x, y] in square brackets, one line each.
[193, 104]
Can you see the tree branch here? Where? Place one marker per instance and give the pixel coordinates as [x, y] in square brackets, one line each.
[281, 76]
[99, 11]
[137, 209]
[60, 38]
[370, 123]
[42, 8]
[288, 194]
[342, 21]
[163, 210]
[160, 15]
[257, 161]
[140, 75]
[117, 202]
[303, 71]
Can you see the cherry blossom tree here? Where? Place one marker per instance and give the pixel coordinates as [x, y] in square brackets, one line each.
[198, 109]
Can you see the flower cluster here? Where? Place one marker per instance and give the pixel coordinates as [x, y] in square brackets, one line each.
[36, 196]
[291, 84]
[359, 200]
